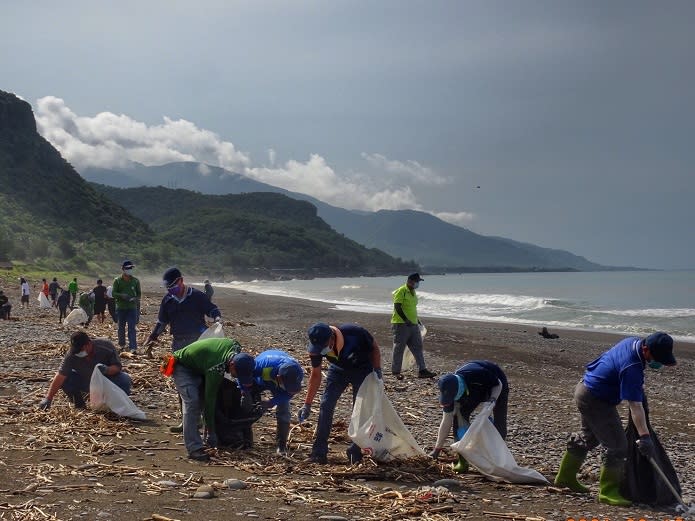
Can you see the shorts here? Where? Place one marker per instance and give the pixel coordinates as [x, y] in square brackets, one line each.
[25, 298]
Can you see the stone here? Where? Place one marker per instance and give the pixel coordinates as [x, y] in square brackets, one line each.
[204, 492]
[234, 484]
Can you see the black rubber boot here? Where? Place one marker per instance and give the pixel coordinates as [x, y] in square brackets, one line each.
[283, 433]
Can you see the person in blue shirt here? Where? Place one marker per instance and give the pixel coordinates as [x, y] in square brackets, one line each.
[616, 375]
[280, 374]
[460, 393]
[352, 353]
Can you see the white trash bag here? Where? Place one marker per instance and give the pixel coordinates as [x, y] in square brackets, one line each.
[214, 331]
[409, 363]
[75, 317]
[43, 301]
[104, 395]
[484, 448]
[376, 427]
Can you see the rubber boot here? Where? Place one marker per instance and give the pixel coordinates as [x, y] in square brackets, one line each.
[461, 465]
[283, 433]
[569, 468]
[609, 485]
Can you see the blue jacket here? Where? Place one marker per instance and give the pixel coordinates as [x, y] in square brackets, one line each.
[186, 315]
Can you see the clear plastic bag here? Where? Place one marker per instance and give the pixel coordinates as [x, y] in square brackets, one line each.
[43, 301]
[214, 331]
[76, 317]
[104, 395]
[376, 427]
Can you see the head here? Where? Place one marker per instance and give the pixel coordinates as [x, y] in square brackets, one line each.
[241, 367]
[657, 349]
[74, 279]
[55, 279]
[207, 281]
[81, 344]
[43, 280]
[172, 280]
[99, 282]
[414, 280]
[320, 336]
[290, 378]
[127, 268]
[451, 388]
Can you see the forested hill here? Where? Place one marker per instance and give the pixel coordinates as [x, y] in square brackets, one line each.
[253, 231]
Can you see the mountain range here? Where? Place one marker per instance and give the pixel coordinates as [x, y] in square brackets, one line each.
[434, 244]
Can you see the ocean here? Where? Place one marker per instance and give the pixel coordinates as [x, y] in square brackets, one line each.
[624, 302]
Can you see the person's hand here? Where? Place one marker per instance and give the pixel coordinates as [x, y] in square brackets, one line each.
[102, 367]
[378, 372]
[645, 445]
[304, 413]
[435, 454]
[45, 404]
[218, 320]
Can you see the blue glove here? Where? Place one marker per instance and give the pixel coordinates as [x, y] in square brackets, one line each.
[102, 368]
[379, 375]
[45, 404]
[304, 413]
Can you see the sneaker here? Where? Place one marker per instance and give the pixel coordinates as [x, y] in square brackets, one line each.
[426, 373]
[199, 455]
[398, 376]
[176, 428]
[314, 458]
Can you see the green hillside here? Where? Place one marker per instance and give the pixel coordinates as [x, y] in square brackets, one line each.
[256, 231]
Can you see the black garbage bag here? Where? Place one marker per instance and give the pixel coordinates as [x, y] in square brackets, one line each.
[642, 483]
[235, 414]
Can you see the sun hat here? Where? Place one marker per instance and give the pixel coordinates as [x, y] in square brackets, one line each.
[661, 347]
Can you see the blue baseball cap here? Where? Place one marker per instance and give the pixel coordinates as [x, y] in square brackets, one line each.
[244, 364]
[292, 375]
[661, 347]
[448, 388]
[319, 335]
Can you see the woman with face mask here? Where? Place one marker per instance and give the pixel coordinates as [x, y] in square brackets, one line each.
[616, 375]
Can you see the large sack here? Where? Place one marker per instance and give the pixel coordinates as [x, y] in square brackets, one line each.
[214, 331]
[235, 414]
[43, 301]
[77, 316]
[376, 427]
[484, 448]
[409, 363]
[104, 395]
[642, 484]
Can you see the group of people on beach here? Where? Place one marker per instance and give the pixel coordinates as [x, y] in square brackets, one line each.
[208, 371]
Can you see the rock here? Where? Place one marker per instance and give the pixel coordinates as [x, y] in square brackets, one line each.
[333, 518]
[234, 484]
[167, 483]
[448, 483]
[204, 492]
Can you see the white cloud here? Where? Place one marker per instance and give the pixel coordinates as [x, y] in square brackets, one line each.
[408, 169]
[112, 140]
[458, 218]
[115, 140]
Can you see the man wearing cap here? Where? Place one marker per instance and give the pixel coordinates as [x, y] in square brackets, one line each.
[184, 308]
[126, 292]
[460, 393]
[75, 372]
[279, 373]
[209, 290]
[352, 353]
[616, 375]
[204, 364]
[406, 328]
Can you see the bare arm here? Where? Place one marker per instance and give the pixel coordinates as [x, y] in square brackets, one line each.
[314, 384]
[55, 386]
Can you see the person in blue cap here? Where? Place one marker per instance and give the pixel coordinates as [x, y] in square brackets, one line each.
[203, 365]
[126, 292]
[616, 375]
[352, 354]
[460, 393]
[279, 373]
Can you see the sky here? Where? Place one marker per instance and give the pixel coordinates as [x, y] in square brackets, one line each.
[568, 125]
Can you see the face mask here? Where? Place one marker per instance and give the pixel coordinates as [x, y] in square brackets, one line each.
[416, 285]
[174, 292]
[655, 365]
[128, 271]
[81, 354]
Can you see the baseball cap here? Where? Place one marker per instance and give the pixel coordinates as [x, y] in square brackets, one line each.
[448, 388]
[244, 364]
[170, 277]
[319, 335]
[127, 265]
[661, 347]
[78, 340]
[292, 375]
[415, 276]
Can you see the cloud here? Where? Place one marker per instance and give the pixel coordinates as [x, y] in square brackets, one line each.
[457, 218]
[408, 169]
[111, 141]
